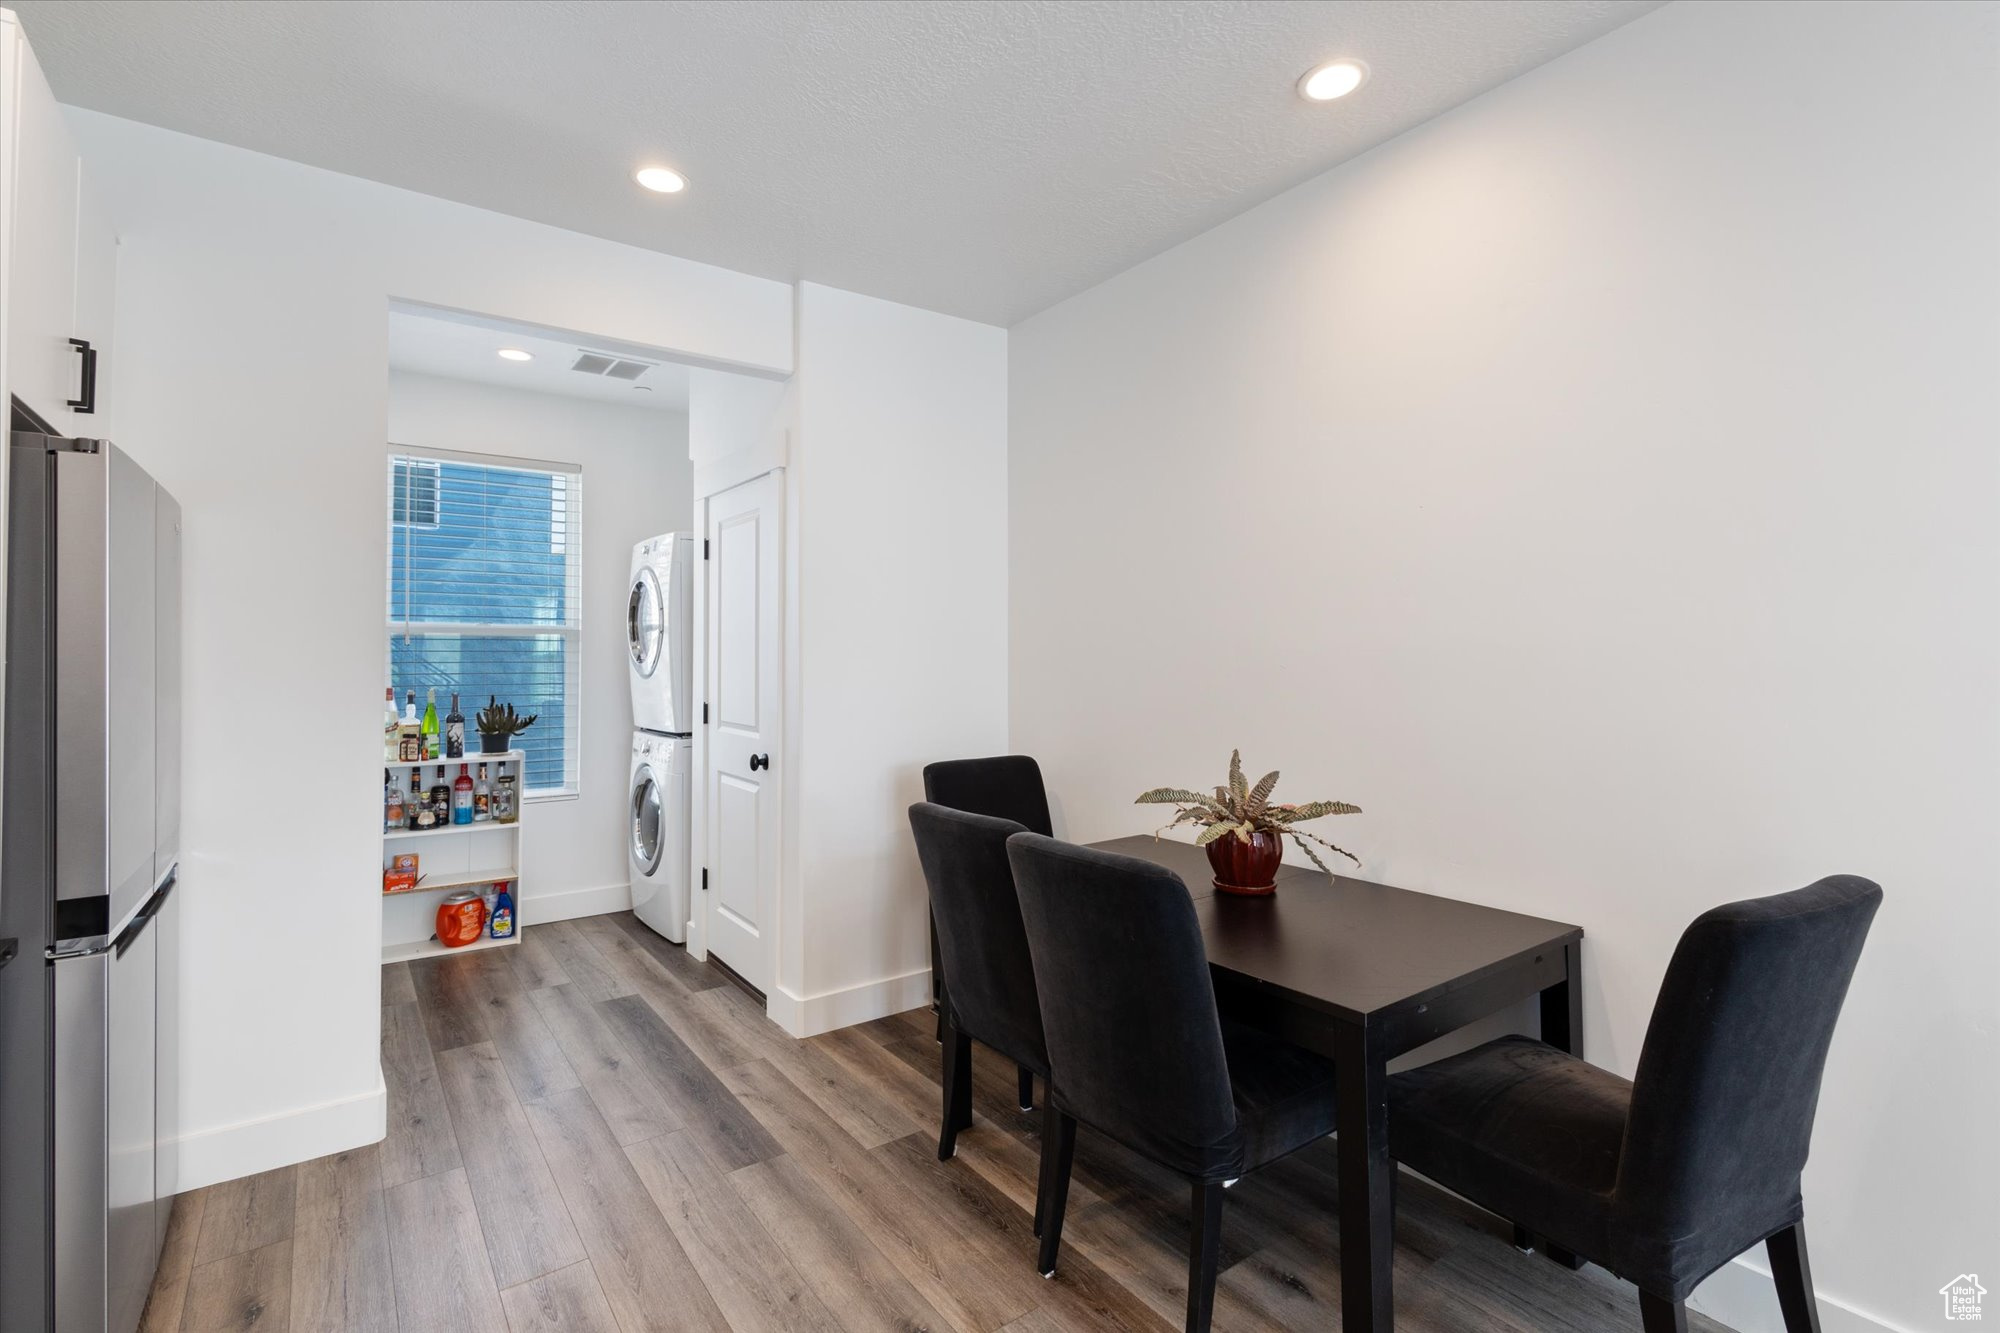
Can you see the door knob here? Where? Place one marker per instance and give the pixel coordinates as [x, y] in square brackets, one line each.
[758, 761]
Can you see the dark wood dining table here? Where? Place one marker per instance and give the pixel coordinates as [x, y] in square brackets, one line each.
[1362, 973]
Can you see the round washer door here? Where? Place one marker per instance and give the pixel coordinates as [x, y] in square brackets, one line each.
[648, 839]
[645, 623]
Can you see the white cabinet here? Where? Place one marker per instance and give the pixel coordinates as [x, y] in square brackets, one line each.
[96, 277]
[41, 212]
[57, 255]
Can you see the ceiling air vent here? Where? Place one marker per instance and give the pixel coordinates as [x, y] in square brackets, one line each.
[610, 367]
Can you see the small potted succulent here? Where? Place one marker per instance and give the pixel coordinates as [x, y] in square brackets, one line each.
[1244, 832]
[499, 724]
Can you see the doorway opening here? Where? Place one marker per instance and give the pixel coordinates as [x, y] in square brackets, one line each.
[549, 550]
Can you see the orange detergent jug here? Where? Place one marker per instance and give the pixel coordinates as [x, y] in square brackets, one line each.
[461, 918]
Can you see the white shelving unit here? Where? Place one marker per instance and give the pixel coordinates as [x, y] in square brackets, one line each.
[456, 856]
[402, 953]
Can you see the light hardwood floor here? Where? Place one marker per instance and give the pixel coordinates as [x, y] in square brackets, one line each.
[590, 1133]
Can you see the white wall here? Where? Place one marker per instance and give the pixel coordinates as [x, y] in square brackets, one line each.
[899, 488]
[729, 416]
[637, 483]
[252, 304]
[1598, 485]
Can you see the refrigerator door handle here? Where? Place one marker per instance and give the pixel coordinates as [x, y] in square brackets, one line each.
[158, 897]
[90, 946]
[150, 909]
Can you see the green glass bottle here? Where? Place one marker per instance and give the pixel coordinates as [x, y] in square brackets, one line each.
[431, 726]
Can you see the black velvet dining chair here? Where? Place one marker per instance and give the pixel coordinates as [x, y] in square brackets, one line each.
[978, 922]
[1137, 1051]
[1007, 786]
[1667, 1177]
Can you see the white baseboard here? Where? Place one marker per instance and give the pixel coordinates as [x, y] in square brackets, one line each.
[810, 1015]
[573, 903]
[211, 1156]
[1740, 1295]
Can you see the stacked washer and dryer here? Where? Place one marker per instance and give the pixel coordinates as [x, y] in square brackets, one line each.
[659, 615]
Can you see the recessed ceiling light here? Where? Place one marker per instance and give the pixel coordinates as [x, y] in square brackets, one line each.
[1336, 78]
[515, 354]
[662, 179]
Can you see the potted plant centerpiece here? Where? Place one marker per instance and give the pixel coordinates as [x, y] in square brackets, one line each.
[499, 724]
[1244, 832]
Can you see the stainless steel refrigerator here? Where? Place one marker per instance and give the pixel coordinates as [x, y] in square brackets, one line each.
[89, 853]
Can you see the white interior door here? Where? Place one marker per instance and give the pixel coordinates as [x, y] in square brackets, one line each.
[742, 790]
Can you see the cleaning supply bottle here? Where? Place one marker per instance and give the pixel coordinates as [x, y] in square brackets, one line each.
[500, 924]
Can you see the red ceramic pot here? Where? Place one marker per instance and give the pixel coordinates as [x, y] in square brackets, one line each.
[1249, 868]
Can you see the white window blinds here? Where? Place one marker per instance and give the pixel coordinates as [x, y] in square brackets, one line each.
[484, 596]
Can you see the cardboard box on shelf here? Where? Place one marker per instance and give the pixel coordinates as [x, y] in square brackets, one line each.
[401, 876]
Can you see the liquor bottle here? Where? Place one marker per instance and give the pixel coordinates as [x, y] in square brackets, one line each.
[441, 799]
[461, 797]
[454, 731]
[482, 799]
[391, 726]
[392, 800]
[409, 732]
[431, 726]
[415, 808]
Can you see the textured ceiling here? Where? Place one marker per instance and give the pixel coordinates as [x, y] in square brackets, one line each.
[981, 157]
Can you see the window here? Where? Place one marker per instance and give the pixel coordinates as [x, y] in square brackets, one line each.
[413, 492]
[484, 596]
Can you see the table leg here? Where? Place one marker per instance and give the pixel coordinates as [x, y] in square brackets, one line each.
[1367, 1186]
[1562, 1005]
[1562, 1028]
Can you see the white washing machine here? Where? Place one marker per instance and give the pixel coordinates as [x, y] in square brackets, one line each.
[658, 845]
[659, 610]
